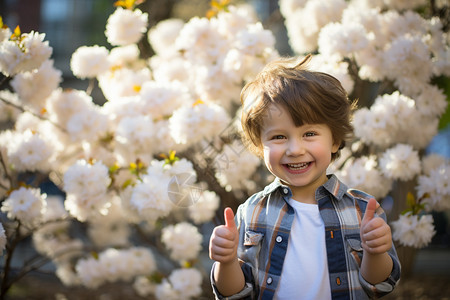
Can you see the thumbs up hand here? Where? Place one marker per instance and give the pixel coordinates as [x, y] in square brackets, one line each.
[224, 240]
[375, 233]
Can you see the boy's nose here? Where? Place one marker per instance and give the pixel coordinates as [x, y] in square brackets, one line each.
[295, 148]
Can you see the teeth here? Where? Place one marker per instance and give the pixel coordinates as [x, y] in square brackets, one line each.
[297, 166]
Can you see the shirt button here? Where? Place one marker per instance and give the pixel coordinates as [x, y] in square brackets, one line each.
[279, 239]
[269, 280]
[285, 191]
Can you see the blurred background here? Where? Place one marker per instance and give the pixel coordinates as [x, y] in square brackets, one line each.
[69, 24]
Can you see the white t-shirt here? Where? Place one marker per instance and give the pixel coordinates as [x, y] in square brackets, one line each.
[305, 269]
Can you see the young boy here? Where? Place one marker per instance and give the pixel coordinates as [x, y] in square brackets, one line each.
[306, 235]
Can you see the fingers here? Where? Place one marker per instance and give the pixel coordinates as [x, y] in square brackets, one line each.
[229, 219]
[377, 246]
[370, 211]
[224, 240]
[223, 245]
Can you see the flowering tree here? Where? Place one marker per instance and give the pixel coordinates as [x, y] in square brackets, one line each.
[389, 56]
[141, 173]
[144, 171]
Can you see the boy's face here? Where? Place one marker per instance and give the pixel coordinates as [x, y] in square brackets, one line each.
[299, 156]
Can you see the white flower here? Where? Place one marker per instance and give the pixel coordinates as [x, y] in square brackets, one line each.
[388, 121]
[187, 282]
[192, 123]
[400, 162]
[3, 239]
[23, 56]
[234, 165]
[91, 272]
[25, 204]
[87, 125]
[35, 86]
[123, 82]
[89, 62]
[433, 161]
[435, 188]
[10, 58]
[150, 197]
[113, 265]
[235, 18]
[126, 27]
[163, 35]
[342, 39]
[55, 217]
[204, 207]
[28, 151]
[62, 105]
[143, 286]
[413, 230]
[165, 291]
[362, 173]
[67, 274]
[201, 41]
[254, 39]
[136, 133]
[333, 65]
[5, 34]
[183, 241]
[431, 101]
[304, 24]
[112, 229]
[161, 99]
[407, 60]
[57, 246]
[124, 55]
[86, 186]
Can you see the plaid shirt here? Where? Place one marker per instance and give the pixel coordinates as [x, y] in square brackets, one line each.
[264, 222]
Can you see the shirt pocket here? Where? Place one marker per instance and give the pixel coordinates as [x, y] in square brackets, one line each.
[354, 248]
[251, 247]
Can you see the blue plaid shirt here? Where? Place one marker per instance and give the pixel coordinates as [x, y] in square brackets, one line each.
[264, 222]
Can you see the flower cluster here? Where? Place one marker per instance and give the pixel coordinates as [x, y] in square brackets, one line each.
[23, 52]
[413, 230]
[183, 241]
[113, 265]
[25, 204]
[182, 283]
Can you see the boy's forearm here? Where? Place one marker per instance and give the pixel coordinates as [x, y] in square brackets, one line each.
[229, 278]
[376, 268]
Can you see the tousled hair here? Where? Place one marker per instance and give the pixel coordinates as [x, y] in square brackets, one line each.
[309, 97]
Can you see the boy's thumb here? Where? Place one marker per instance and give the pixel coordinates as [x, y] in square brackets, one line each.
[370, 210]
[229, 218]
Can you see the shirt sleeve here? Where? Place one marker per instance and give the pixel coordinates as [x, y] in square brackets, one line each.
[247, 293]
[387, 286]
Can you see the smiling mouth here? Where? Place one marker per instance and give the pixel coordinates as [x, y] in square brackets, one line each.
[297, 167]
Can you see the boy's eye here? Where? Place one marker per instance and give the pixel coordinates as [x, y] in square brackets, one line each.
[278, 137]
[309, 134]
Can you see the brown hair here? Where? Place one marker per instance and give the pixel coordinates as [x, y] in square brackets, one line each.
[309, 97]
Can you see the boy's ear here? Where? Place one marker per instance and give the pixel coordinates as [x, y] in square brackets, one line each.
[337, 146]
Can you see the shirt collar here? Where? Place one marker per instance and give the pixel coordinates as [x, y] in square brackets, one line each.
[333, 186]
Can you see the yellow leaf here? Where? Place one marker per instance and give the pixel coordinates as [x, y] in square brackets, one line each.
[199, 101]
[410, 199]
[187, 264]
[16, 34]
